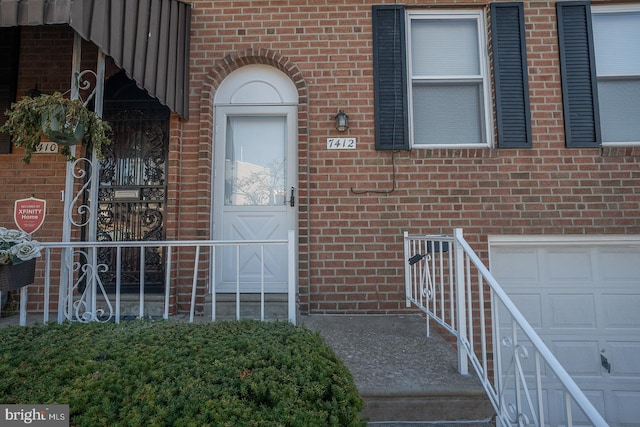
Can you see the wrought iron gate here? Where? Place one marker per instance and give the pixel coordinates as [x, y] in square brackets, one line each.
[132, 193]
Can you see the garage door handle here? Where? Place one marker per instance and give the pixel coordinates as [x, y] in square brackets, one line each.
[605, 363]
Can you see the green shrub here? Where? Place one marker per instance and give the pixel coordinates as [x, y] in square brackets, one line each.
[245, 373]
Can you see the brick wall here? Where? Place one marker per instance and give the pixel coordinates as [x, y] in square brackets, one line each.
[45, 53]
[45, 63]
[355, 204]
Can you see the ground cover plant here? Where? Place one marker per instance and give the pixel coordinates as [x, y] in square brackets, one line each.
[161, 373]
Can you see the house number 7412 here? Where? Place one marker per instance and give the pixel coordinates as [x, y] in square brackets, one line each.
[341, 143]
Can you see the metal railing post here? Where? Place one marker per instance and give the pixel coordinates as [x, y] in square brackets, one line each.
[461, 304]
[67, 194]
[522, 402]
[407, 272]
[291, 294]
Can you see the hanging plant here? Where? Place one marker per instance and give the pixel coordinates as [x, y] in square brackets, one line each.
[62, 120]
[60, 128]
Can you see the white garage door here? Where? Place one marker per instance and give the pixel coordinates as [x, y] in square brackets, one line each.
[583, 299]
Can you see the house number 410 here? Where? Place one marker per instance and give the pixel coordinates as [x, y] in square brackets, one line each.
[341, 143]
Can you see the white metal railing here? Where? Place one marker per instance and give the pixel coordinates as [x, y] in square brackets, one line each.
[524, 381]
[83, 297]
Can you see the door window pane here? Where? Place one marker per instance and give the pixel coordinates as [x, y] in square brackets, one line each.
[255, 162]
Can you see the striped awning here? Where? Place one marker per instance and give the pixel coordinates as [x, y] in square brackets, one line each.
[149, 39]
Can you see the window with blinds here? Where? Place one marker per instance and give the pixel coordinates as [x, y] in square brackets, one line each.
[449, 99]
[616, 37]
[431, 77]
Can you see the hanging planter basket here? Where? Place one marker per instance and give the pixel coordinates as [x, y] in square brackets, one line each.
[14, 277]
[64, 121]
[62, 129]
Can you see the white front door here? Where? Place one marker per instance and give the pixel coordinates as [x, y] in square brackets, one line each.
[583, 299]
[255, 195]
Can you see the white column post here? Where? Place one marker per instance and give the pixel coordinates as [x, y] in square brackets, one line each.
[407, 273]
[461, 305]
[66, 287]
[93, 189]
[293, 268]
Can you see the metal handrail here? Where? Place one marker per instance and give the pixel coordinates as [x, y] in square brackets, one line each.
[435, 280]
[80, 303]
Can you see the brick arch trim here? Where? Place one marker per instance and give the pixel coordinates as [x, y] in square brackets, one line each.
[253, 56]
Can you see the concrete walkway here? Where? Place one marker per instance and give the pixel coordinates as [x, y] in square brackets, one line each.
[405, 377]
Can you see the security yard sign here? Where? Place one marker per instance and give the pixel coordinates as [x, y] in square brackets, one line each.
[29, 214]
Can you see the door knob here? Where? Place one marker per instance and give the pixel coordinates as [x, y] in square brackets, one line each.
[292, 198]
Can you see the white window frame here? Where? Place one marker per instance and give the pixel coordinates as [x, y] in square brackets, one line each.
[629, 8]
[484, 77]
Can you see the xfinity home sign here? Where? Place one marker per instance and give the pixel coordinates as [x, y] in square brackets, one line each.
[29, 214]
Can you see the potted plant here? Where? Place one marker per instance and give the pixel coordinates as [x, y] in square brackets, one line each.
[62, 120]
[18, 255]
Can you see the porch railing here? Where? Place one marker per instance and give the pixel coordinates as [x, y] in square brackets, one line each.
[522, 378]
[73, 274]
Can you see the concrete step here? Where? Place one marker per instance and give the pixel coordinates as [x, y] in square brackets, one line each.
[432, 424]
[404, 377]
[427, 407]
[275, 306]
[129, 306]
[153, 306]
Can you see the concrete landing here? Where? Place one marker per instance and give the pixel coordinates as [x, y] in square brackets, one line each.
[404, 377]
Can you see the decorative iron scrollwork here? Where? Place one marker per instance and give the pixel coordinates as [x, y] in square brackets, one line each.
[132, 194]
[515, 373]
[87, 299]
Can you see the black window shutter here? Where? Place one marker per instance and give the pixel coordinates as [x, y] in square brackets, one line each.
[510, 75]
[390, 78]
[9, 52]
[577, 68]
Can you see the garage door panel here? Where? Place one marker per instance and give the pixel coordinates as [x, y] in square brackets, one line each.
[528, 363]
[626, 407]
[530, 305]
[518, 265]
[624, 358]
[587, 301]
[572, 311]
[579, 358]
[597, 399]
[620, 264]
[556, 407]
[621, 311]
[568, 266]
